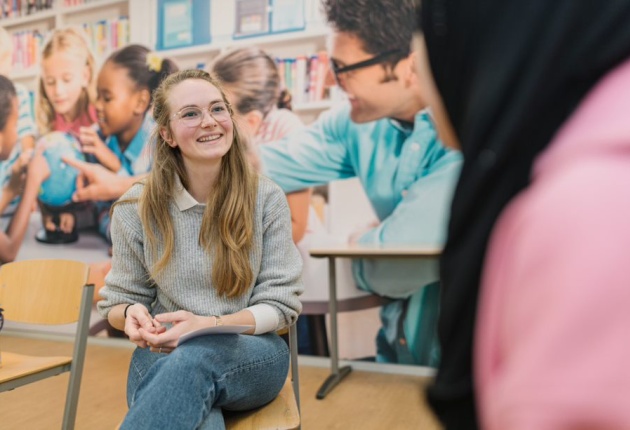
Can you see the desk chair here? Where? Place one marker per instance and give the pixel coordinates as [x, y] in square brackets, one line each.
[46, 292]
[283, 413]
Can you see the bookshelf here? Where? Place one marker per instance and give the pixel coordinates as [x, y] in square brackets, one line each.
[307, 42]
[143, 27]
[104, 21]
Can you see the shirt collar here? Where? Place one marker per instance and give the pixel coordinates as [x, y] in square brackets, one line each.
[183, 199]
[141, 138]
[421, 118]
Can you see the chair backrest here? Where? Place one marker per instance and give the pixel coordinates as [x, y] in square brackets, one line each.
[42, 291]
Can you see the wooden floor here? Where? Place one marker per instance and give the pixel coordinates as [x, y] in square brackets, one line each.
[365, 400]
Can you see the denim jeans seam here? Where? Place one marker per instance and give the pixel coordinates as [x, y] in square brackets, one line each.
[275, 358]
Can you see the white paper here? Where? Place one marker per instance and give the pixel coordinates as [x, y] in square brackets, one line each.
[222, 329]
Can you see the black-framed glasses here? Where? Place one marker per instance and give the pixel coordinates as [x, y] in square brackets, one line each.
[377, 59]
[1, 318]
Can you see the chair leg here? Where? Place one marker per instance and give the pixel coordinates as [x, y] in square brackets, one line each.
[295, 376]
[78, 360]
[318, 335]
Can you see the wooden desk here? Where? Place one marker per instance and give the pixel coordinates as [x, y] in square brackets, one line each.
[356, 251]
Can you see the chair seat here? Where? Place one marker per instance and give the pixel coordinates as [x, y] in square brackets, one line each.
[18, 366]
[282, 413]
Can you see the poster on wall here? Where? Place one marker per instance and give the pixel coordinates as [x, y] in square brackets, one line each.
[252, 18]
[259, 17]
[183, 23]
[176, 24]
[287, 15]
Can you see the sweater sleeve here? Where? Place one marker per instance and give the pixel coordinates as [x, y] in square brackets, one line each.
[279, 281]
[128, 280]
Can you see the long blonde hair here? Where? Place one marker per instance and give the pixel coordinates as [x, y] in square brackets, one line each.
[227, 226]
[68, 40]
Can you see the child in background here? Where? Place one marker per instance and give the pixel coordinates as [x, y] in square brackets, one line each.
[11, 240]
[65, 103]
[14, 167]
[124, 95]
[251, 80]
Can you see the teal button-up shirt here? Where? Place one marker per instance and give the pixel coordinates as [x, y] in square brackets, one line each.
[409, 178]
[407, 174]
[136, 158]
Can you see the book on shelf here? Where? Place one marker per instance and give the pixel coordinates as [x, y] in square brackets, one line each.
[106, 36]
[305, 77]
[27, 47]
[18, 8]
[70, 3]
[259, 17]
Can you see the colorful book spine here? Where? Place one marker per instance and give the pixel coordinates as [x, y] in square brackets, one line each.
[305, 77]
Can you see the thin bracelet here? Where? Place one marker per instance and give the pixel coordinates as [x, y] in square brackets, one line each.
[125, 311]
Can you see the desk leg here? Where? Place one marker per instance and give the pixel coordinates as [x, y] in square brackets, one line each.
[336, 374]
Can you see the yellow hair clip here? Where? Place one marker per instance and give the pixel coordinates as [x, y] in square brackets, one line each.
[154, 62]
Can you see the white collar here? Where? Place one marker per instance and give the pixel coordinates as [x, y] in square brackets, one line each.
[183, 199]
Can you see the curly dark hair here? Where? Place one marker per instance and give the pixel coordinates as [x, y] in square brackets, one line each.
[7, 95]
[382, 25]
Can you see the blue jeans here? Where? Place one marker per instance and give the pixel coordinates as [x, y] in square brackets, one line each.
[188, 388]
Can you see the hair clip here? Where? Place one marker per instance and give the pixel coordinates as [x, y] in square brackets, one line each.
[154, 62]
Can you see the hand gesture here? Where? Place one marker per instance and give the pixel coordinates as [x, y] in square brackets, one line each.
[91, 142]
[17, 180]
[38, 169]
[138, 322]
[94, 182]
[182, 321]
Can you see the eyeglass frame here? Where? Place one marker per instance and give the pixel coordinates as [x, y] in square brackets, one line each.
[377, 59]
[1, 318]
[206, 109]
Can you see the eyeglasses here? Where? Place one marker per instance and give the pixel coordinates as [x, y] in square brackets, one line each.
[192, 116]
[378, 59]
[1, 318]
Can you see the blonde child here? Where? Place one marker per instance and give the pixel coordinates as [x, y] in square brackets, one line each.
[65, 103]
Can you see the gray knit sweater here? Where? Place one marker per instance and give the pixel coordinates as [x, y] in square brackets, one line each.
[186, 283]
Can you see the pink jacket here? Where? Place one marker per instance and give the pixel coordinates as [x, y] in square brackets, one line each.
[552, 344]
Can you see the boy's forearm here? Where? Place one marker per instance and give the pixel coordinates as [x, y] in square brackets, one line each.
[7, 196]
[12, 240]
[109, 160]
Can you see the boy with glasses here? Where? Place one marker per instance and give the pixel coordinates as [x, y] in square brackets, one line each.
[385, 137]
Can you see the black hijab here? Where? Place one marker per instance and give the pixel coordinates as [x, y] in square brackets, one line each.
[510, 73]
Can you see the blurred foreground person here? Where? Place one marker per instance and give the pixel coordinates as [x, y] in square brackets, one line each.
[537, 96]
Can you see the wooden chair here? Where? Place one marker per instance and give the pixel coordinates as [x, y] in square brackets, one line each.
[283, 413]
[46, 292]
